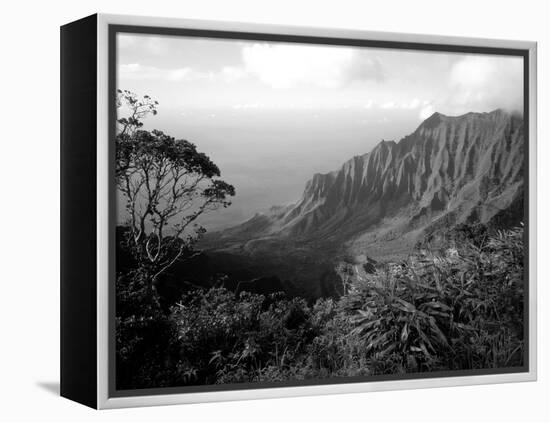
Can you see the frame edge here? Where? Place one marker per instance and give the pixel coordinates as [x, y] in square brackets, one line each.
[106, 402]
[78, 308]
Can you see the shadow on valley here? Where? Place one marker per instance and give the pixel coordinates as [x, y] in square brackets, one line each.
[297, 272]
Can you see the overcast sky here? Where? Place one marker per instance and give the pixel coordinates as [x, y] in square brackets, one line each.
[271, 115]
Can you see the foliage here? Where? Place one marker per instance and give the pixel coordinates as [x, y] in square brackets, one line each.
[460, 310]
[228, 338]
[144, 335]
[167, 185]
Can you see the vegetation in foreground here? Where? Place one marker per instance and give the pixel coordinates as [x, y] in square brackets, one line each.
[458, 309]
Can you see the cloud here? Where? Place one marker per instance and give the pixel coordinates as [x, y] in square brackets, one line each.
[136, 71]
[412, 104]
[276, 65]
[125, 40]
[246, 106]
[289, 76]
[426, 111]
[389, 105]
[232, 73]
[180, 74]
[288, 65]
[368, 104]
[484, 83]
[156, 45]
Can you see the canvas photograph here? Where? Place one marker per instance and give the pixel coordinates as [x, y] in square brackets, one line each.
[292, 213]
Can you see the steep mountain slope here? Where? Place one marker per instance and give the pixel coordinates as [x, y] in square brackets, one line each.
[448, 171]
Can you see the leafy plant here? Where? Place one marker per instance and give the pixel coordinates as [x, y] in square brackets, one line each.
[463, 310]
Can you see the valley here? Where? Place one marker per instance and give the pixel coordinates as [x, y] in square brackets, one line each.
[449, 171]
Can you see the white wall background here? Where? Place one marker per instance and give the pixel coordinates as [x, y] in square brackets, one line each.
[29, 232]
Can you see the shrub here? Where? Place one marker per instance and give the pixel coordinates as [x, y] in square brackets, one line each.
[144, 335]
[460, 309]
[463, 310]
[226, 338]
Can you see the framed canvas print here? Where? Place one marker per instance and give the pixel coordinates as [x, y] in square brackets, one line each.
[253, 211]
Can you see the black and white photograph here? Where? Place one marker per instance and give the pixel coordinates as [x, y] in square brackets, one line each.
[300, 212]
[275, 211]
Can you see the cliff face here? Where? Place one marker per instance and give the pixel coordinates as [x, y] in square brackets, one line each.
[448, 171]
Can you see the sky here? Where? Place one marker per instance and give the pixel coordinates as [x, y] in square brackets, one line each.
[271, 115]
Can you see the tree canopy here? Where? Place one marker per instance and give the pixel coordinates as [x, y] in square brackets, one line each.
[167, 185]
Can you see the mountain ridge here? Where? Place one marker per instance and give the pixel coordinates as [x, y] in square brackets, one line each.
[459, 168]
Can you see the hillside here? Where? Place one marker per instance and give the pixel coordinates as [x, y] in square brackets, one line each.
[450, 170]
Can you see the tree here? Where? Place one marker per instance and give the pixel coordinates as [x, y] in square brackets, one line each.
[167, 185]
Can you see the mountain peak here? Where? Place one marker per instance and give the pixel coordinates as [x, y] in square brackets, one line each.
[437, 118]
[433, 121]
[386, 142]
[450, 169]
